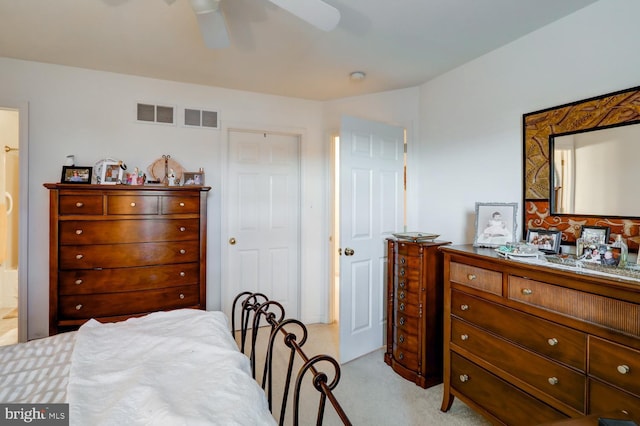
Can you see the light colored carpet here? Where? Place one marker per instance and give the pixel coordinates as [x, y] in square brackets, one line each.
[371, 393]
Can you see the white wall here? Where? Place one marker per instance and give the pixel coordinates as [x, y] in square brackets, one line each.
[91, 114]
[471, 117]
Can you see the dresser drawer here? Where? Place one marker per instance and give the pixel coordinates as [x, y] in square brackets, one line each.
[603, 398]
[133, 302]
[406, 358]
[555, 341]
[503, 400]
[616, 364]
[132, 204]
[128, 255]
[80, 204]
[180, 204]
[406, 339]
[405, 322]
[411, 308]
[88, 281]
[472, 276]
[407, 272]
[408, 249]
[411, 285]
[128, 231]
[577, 304]
[561, 383]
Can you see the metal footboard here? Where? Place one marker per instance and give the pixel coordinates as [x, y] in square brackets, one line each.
[257, 310]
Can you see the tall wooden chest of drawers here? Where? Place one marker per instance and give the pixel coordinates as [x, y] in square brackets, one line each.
[414, 307]
[121, 251]
[527, 343]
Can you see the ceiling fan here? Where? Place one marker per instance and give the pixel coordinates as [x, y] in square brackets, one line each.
[214, 29]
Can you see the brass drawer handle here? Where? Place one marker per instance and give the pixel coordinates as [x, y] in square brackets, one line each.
[403, 260]
[182, 251]
[78, 282]
[623, 369]
[464, 337]
[402, 306]
[553, 381]
[182, 229]
[471, 277]
[78, 231]
[402, 284]
[401, 356]
[79, 256]
[464, 307]
[181, 296]
[181, 204]
[132, 204]
[78, 307]
[402, 295]
[553, 341]
[464, 378]
[401, 339]
[79, 204]
[402, 320]
[402, 272]
[182, 273]
[527, 291]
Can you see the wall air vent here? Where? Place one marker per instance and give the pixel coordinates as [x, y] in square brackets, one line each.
[161, 114]
[200, 118]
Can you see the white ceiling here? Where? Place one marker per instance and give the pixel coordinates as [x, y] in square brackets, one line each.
[397, 43]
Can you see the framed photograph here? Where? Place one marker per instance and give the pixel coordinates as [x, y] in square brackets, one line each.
[595, 234]
[546, 240]
[76, 174]
[193, 178]
[495, 224]
[111, 173]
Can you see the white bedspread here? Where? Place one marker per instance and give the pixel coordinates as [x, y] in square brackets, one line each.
[179, 367]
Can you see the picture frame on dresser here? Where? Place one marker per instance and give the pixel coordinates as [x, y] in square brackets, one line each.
[76, 174]
[111, 173]
[193, 178]
[547, 240]
[495, 224]
[595, 234]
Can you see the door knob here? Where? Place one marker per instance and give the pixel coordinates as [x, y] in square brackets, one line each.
[348, 251]
[232, 241]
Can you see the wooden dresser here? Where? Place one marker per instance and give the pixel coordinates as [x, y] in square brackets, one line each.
[414, 306]
[121, 251]
[528, 344]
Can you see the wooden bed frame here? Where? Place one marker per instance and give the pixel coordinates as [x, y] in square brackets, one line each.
[255, 307]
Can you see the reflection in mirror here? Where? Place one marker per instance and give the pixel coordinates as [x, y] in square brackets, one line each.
[597, 172]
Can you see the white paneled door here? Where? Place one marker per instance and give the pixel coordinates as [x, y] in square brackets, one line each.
[371, 208]
[262, 218]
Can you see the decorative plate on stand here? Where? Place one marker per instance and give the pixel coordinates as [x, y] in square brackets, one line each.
[157, 169]
[416, 237]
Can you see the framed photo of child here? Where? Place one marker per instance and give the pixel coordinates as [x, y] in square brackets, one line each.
[495, 224]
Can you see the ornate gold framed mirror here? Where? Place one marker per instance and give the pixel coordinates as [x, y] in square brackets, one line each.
[540, 190]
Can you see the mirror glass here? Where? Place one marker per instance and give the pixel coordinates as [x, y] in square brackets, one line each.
[596, 172]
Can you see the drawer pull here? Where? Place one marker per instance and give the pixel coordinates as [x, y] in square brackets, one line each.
[527, 291]
[78, 282]
[78, 231]
[553, 341]
[402, 295]
[471, 277]
[402, 307]
[623, 369]
[464, 307]
[402, 320]
[132, 204]
[402, 284]
[79, 204]
[464, 378]
[78, 307]
[181, 204]
[182, 229]
[182, 251]
[182, 273]
[402, 272]
[79, 256]
[400, 355]
[464, 337]
[181, 296]
[553, 381]
[403, 260]
[401, 339]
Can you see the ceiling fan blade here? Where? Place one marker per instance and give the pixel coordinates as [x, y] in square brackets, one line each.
[316, 12]
[212, 24]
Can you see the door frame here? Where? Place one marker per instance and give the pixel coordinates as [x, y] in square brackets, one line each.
[23, 208]
[224, 196]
